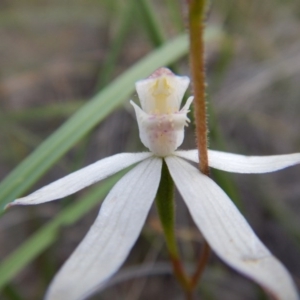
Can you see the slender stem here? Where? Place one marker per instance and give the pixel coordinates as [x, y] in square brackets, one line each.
[165, 208]
[189, 295]
[201, 265]
[196, 33]
[180, 274]
[196, 28]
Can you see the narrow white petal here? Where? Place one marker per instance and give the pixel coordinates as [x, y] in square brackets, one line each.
[227, 231]
[111, 237]
[82, 178]
[236, 163]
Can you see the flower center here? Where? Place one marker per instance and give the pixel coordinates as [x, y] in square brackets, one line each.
[161, 91]
[161, 122]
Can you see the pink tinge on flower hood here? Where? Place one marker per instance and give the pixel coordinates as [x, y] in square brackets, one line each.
[161, 121]
[162, 134]
[162, 92]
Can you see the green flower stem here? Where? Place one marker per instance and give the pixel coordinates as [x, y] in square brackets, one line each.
[196, 34]
[165, 208]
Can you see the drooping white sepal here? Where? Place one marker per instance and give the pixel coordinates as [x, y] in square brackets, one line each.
[82, 178]
[227, 231]
[237, 163]
[109, 240]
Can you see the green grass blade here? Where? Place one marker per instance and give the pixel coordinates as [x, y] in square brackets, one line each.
[152, 25]
[11, 293]
[151, 22]
[176, 14]
[45, 236]
[46, 112]
[33, 167]
[116, 46]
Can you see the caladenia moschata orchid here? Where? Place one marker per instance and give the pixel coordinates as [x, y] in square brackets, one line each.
[123, 213]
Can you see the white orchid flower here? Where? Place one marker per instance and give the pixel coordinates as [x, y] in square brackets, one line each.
[124, 211]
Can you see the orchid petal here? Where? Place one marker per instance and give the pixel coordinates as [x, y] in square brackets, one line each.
[227, 231]
[237, 163]
[111, 237]
[82, 178]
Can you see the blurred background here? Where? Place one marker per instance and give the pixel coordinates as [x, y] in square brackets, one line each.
[56, 55]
